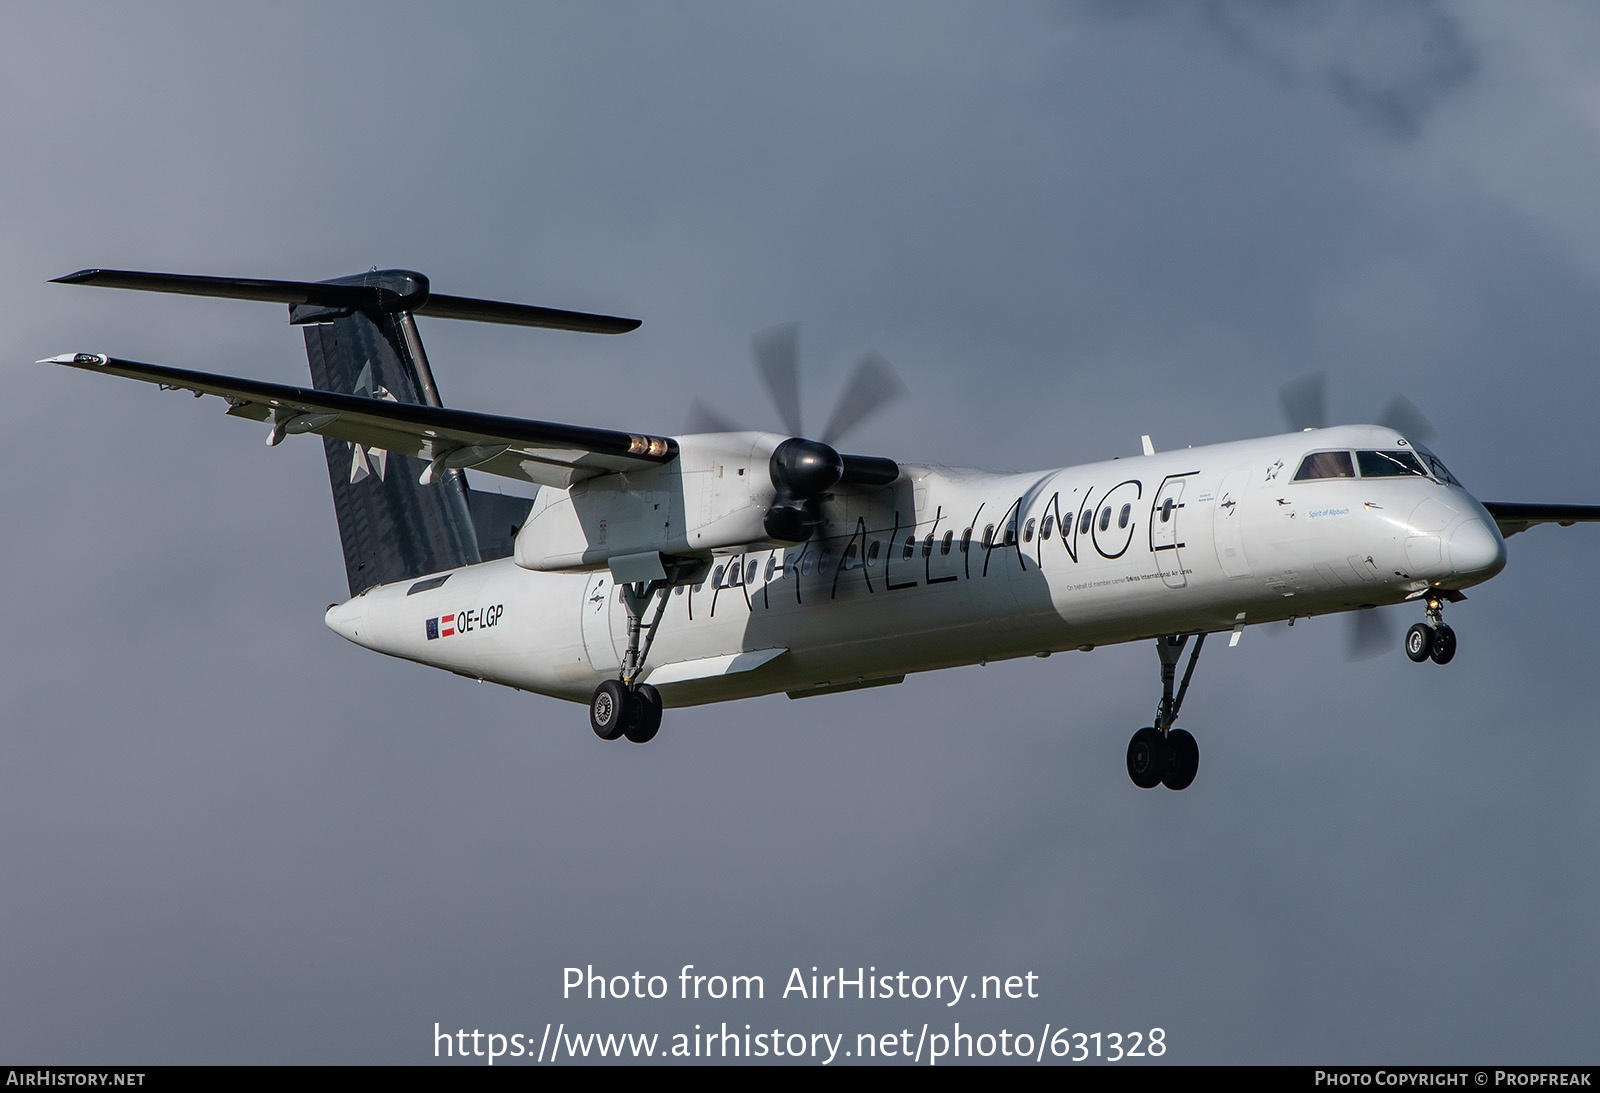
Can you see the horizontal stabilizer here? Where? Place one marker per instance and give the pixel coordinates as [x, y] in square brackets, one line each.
[382, 291]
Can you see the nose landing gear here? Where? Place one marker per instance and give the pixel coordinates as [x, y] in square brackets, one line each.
[1432, 640]
[1161, 754]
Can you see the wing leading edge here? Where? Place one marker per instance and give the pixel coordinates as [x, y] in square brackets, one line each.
[547, 453]
[1512, 517]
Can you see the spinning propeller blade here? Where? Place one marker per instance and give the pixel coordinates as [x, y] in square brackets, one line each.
[1402, 416]
[1368, 634]
[777, 354]
[1304, 402]
[703, 419]
[872, 387]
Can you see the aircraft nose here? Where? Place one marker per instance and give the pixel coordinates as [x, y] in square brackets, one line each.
[1476, 549]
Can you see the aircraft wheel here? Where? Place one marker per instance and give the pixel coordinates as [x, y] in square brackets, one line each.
[608, 709]
[1444, 645]
[1419, 642]
[1147, 758]
[644, 714]
[1184, 762]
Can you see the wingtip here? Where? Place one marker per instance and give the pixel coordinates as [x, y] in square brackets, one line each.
[75, 358]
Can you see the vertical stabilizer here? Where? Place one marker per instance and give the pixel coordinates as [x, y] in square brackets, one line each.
[391, 526]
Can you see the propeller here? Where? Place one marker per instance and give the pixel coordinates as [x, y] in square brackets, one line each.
[1305, 406]
[1369, 632]
[803, 470]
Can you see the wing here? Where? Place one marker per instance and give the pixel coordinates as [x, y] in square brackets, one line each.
[545, 452]
[1512, 517]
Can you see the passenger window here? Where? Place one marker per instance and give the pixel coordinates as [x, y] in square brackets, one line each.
[1122, 517]
[1011, 532]
[1027, 532]
[927, 546]
[872, 553]
[805, 564]
[944, 544]
[1166, 510]
[822, 562]
[772, 565]
[1105, 518]
[1049, 522]
[910, 547]
[848, 562]
[966, 540]
[678, 591]
[750, 571]
[1083, 524]
[1325, 465]
[988, 536]
[1389, 464]
[716, 577]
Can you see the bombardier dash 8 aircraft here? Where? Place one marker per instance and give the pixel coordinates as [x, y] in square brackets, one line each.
[653, 571]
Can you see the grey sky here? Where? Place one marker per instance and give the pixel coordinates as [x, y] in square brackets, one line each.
[231, 836]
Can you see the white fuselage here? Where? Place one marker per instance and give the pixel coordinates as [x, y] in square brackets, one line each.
[949, 567]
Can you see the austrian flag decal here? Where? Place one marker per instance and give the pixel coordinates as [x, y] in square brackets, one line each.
[465, 622]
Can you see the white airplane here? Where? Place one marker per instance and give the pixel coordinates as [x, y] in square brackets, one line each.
[654, 571]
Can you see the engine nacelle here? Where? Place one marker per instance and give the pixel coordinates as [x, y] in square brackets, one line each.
[714, 496]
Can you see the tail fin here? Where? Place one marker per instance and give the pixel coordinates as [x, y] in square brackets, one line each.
[361, 339]
[391, 526]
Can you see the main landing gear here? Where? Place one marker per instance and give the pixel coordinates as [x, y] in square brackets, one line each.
[1161, 754]
[1432, 640]
[626, 707]
[618, 711]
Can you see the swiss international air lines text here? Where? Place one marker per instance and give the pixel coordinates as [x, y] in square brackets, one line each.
[938, 1039]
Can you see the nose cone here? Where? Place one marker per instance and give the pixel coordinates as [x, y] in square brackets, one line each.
[346, 619]
[1476, 550]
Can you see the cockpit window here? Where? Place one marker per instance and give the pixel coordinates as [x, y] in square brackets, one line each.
[1325, 465]
[1389, 464]
[1436, 466]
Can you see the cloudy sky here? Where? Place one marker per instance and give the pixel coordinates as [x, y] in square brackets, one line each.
[226, 835]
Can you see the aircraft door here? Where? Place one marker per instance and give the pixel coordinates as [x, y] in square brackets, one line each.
[1167, 529]
[1228, 522]
[598, 595]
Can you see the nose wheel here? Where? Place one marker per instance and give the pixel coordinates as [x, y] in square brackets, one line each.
[1160, 755]
[1431, 640]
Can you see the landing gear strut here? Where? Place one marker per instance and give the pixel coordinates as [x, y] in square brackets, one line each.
[1161, 754]
[626, 707]
[1432, 640]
